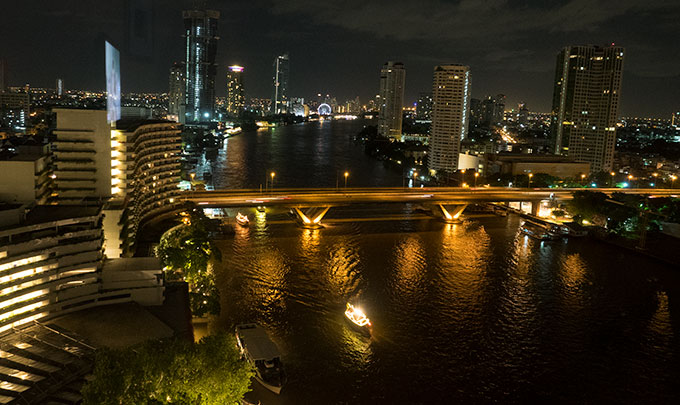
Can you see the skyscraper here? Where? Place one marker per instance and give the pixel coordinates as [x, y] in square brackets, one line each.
[424, 107]
[586, 103]
[200, 34]
[280, 100]
[450, 109]
[236, 99]
[675, 120]
[392, 79]
[176, 95]
[60, 87]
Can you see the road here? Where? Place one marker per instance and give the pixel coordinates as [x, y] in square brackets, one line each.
[432, 195]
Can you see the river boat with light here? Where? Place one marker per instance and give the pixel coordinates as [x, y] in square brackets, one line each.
[242, 219]
[262, 353]
[358, 319]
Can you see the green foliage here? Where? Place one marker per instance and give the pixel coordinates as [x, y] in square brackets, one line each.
[186, 251]
[170, 371]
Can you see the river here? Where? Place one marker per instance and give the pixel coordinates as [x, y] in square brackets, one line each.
[473, 312]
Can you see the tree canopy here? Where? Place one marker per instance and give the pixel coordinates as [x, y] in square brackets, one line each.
[170, 371]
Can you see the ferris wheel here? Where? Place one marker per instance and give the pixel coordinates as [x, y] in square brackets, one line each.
[324, 109]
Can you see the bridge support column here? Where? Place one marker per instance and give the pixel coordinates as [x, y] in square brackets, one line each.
[452, 216]
[312, 218]
[535, 206]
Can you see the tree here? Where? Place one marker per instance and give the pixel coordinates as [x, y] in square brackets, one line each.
[170, 371]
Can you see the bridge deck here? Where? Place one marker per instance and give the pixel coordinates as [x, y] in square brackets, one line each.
[432, 195]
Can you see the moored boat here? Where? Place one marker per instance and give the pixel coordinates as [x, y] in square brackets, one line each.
[263, 354]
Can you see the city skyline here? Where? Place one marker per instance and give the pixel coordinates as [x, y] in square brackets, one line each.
[518, 65]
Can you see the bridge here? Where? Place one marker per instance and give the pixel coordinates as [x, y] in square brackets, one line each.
[310, 205]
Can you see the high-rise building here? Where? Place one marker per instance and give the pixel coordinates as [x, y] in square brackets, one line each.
[81, 156]
[392, 79]
[586, 103]
[15, 108]
[499, 109]
[236, 98]
[200, 34]
[60, 87]
[176, 93]
[424, 107]
[522, 114]
[280, 102]
[450, 109]
[675, 120]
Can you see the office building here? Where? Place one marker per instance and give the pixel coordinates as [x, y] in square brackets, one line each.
[236, 98]
[675, 120]
[60, 87]
[15, 108]
[176, 94]
[450, 106]
[280, 102]
[81, 156]
[392, 79]
[200, 35]
[586, 103]
[424, 107]
[522, 114]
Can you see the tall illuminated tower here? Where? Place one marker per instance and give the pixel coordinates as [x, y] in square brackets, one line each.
[586, 103]
[236, 100]
[280, 104]
[176, 93]
[392, 79]
[200, 35]
[450, 111]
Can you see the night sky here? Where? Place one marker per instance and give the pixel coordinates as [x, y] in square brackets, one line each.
[338, 47]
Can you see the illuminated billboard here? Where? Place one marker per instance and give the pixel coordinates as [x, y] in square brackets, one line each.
[112, 83]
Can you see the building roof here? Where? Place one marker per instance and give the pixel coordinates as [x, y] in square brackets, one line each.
[131, 124]
[49, 213]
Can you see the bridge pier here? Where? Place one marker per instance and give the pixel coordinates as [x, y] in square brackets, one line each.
[452, 216]
[535, 206]
[312, 218]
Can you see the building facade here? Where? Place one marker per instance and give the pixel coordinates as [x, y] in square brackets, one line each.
[15, 108]
[236, 97]
[81, 159]
[392, 80]
[450, 110]
[200, 35]
[176, 93]
[280, 102]
[586, 103]
[26, 177]
[424, 107]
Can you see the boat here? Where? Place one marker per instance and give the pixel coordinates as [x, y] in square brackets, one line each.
[358, 318]
[242, 219]
[538, 231]
[575, 230]
[258, 349]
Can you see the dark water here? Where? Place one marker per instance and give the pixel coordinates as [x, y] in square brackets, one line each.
[472, 312]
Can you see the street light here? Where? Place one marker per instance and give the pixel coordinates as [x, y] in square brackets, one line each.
[346, 175]
[583, 176]
[193, 176]
[673, 178]
[271, 185]
[530, 176]
[415, 177]
[611, 183]
[476, 175]
[462, 176]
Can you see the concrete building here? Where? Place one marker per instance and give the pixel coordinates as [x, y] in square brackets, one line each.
[176, 94]
[280, 102]
[236, 96]
[200, 35]
[424, 107]
[145, 173]
[521, 163]
[586, 103]
[392, 80]
[15, 108]
[81, 156]
[675, 120]
[51, 263]
[450, 110]
[25, 178]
